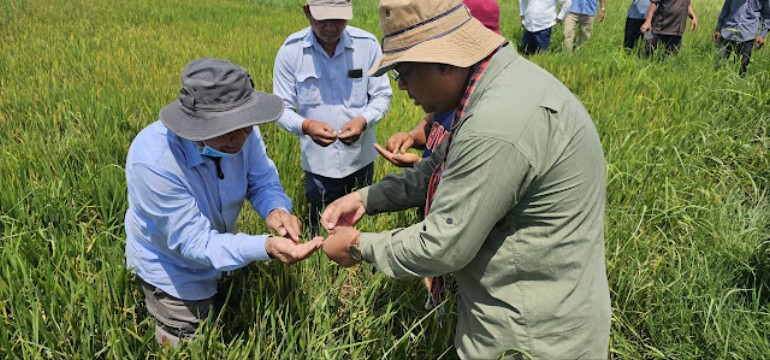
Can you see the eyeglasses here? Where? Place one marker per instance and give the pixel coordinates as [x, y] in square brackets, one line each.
[400, 76]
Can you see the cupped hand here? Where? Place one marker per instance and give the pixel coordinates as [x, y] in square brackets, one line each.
[288, 251]
[337, 246]
[400, 160]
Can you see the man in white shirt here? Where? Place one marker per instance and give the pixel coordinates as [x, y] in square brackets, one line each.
[538, 17]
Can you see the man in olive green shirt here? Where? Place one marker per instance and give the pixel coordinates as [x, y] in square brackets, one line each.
[518, 215]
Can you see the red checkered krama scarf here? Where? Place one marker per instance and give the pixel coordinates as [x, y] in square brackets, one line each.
[437, 285]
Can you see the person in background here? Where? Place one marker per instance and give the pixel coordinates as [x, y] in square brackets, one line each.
[635, 17]
[514, 196]
[538, 18]
[331, 103]
[188, 176]
[667, 20]
[433, 128]
[581, 15]
[742, 25]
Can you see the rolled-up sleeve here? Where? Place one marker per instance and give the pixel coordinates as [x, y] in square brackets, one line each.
[469, 201]
[164, 200]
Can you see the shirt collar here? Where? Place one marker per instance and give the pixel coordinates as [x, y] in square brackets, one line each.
[191, 152]
[345, 40]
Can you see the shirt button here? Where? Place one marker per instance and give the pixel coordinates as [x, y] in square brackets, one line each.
[449, 221]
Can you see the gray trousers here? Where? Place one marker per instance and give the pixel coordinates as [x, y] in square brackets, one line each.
[175, 319]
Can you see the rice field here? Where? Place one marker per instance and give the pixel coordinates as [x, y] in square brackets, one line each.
[687, 218]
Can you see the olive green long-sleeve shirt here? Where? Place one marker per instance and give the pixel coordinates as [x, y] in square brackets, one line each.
[518, 220]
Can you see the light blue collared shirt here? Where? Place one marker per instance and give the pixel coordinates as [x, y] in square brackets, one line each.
[315, 86]
[638, 9]
[181, 219]
[584, 7]
[744, 20]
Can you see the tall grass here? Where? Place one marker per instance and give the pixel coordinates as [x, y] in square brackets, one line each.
[687, 216]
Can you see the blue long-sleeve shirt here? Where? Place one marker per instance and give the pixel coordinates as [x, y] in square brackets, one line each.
[334, 90]
[743, 20]
[181, 219]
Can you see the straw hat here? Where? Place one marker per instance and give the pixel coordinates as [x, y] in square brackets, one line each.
[216, 98]
[431, 31]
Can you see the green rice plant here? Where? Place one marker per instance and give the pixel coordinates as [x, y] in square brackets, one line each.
[687, 171]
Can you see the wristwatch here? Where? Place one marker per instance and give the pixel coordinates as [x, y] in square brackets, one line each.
[354, 250]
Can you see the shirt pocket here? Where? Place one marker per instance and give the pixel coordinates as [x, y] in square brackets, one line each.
[359, 93]
[308, 92]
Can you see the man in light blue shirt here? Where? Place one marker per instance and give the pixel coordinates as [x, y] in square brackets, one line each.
[741, 25]
[331, 103]
[635, 18]
[581, 16]
[188, 176]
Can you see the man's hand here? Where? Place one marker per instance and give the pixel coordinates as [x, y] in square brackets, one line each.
[399, 143]
[345, 211]
[601, 15]
[288, 251]
[284, 224]
[321, 132]
[717, 35]
[645, 26]
[400, 160]
[759, 42]
[694, 23]
[351, 131]
[337, 246]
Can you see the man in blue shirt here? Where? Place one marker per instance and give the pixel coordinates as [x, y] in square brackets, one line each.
[635, 18]
[741, 25]
[188, 176]
[581, 16]
[331, 103]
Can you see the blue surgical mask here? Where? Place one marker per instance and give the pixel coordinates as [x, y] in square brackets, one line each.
[209, 151]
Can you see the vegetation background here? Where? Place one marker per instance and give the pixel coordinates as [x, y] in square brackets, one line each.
[687, 219]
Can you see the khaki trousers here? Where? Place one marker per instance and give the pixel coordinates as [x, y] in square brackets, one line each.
[176, 320]
[584, 23]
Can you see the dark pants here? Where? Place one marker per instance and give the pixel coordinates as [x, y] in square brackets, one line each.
[740, 49]
[321, 191]
[633, 34]
[671, 44]
[537, 41]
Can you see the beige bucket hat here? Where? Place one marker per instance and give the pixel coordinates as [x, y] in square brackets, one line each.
[331, 9]
[431, 31]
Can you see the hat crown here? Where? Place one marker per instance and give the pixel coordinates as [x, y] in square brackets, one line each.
[407, 23]
[214, 85]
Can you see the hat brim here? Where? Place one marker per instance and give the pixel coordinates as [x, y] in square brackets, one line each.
[463, 47]
[321, 13]
[261, 109]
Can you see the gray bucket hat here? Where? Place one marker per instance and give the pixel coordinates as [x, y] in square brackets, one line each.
[216, 98]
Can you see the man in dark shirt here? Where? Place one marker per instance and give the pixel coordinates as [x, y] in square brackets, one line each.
[741, 25]
[667, 20]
